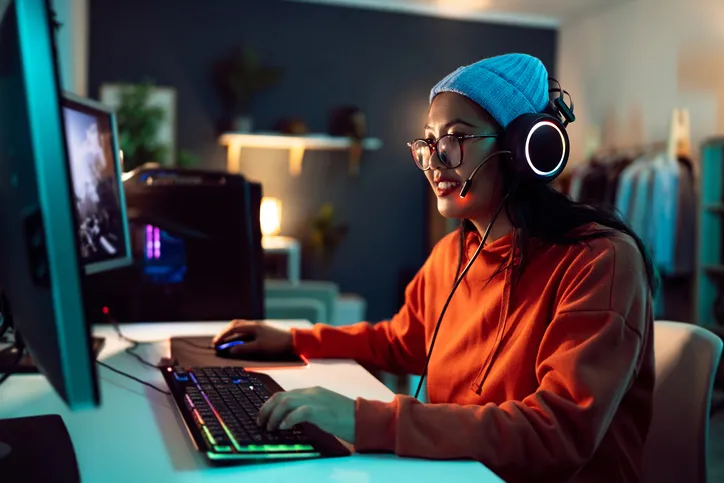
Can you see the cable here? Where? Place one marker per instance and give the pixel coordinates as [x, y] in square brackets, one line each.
[4, 326]
[129, 350]
[6, 318]
[452, 292]
[10, 372]
[135, 344]
[162, 391]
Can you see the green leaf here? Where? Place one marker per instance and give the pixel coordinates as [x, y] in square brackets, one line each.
[138, 126]
[187, 159]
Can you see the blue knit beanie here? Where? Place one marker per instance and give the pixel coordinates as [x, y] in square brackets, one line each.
[506, 86]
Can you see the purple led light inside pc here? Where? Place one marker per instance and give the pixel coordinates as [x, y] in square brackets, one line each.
[153, 242]
[157, 243]
[149, 242]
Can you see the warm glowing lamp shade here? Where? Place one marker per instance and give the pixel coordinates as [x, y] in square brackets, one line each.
[270, 216]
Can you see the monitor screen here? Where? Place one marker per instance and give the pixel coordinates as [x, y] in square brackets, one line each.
[40, 271]
[96, 175]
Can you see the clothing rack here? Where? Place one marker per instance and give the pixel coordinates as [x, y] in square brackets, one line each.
[634, 150]
[653, 186]
[677, 143]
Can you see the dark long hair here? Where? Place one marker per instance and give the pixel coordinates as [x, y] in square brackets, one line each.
[530, 207]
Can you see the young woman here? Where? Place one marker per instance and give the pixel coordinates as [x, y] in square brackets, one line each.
[542, 366]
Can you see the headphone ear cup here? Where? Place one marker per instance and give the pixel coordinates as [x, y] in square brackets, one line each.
[539, 146]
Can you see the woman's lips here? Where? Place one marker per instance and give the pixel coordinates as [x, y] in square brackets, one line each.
[446, 187]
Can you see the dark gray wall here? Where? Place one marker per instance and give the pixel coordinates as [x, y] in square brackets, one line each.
[383, 62]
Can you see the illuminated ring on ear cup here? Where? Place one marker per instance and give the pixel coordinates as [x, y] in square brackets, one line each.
[527, 149]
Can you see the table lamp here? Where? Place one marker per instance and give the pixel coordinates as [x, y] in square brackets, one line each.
[270, 214]
[275, 246]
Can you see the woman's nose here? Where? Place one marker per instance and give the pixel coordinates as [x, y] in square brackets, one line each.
[435, 163]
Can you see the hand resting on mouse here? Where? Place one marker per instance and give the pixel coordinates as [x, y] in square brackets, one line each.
[259, 338]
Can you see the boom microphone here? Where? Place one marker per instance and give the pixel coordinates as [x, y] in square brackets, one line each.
[469, 182]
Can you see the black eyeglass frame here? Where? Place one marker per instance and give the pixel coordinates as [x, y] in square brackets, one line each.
[432, 145]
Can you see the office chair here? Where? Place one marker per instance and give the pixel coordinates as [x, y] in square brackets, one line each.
[686, 358]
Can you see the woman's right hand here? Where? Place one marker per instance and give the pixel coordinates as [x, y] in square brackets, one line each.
[266, 339]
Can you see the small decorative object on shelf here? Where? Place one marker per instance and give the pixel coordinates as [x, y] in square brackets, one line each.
[291, 126]
[238, 78]
[351, 122]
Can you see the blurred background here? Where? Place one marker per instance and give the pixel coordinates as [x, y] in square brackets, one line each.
[297, 67]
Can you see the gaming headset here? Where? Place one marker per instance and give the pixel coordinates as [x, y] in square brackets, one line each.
[538, 143]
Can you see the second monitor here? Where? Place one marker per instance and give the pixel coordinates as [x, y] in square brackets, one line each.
[95, 168]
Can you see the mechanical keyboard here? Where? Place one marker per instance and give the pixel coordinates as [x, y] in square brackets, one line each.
[219, 407]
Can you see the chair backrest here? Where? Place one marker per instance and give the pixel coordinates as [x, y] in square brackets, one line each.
[324, 292]
[687, 357]
[295, 309]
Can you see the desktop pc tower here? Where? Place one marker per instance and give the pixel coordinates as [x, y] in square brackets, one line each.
[196, 243]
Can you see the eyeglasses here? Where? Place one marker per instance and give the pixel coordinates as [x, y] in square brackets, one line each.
[449, 149]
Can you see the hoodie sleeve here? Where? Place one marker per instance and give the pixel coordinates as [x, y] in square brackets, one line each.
[396, 345]
[586, 362]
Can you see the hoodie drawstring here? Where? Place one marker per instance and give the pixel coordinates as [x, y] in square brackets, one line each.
[477, 383]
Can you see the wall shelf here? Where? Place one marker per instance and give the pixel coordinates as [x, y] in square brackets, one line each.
[296, 144]
[714, 207]
[714, 270]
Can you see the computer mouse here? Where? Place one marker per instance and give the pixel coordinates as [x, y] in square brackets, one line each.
[223, 349]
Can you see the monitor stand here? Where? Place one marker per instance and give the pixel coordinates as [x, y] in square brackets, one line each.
[37, 449]
[9, 359]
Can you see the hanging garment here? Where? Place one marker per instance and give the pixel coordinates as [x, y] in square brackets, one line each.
[627, 192]
[577, 182]
[614, 174]
[685, 247]
[664, 212]
[674, 216]
[594, 185]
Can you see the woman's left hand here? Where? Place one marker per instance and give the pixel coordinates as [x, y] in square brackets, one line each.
[329, 411]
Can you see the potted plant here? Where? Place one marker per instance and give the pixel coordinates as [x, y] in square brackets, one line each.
[138, 125]
[238, 78]
[325, 236]
[187, 159]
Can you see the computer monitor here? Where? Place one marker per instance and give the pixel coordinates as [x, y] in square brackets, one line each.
[41, 269]
[95, 168]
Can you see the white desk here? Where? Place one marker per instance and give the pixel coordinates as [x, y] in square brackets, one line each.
[136, 435]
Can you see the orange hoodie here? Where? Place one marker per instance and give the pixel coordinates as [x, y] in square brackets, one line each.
[550, 379]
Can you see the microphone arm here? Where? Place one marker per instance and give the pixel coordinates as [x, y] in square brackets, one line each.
[469, 182]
